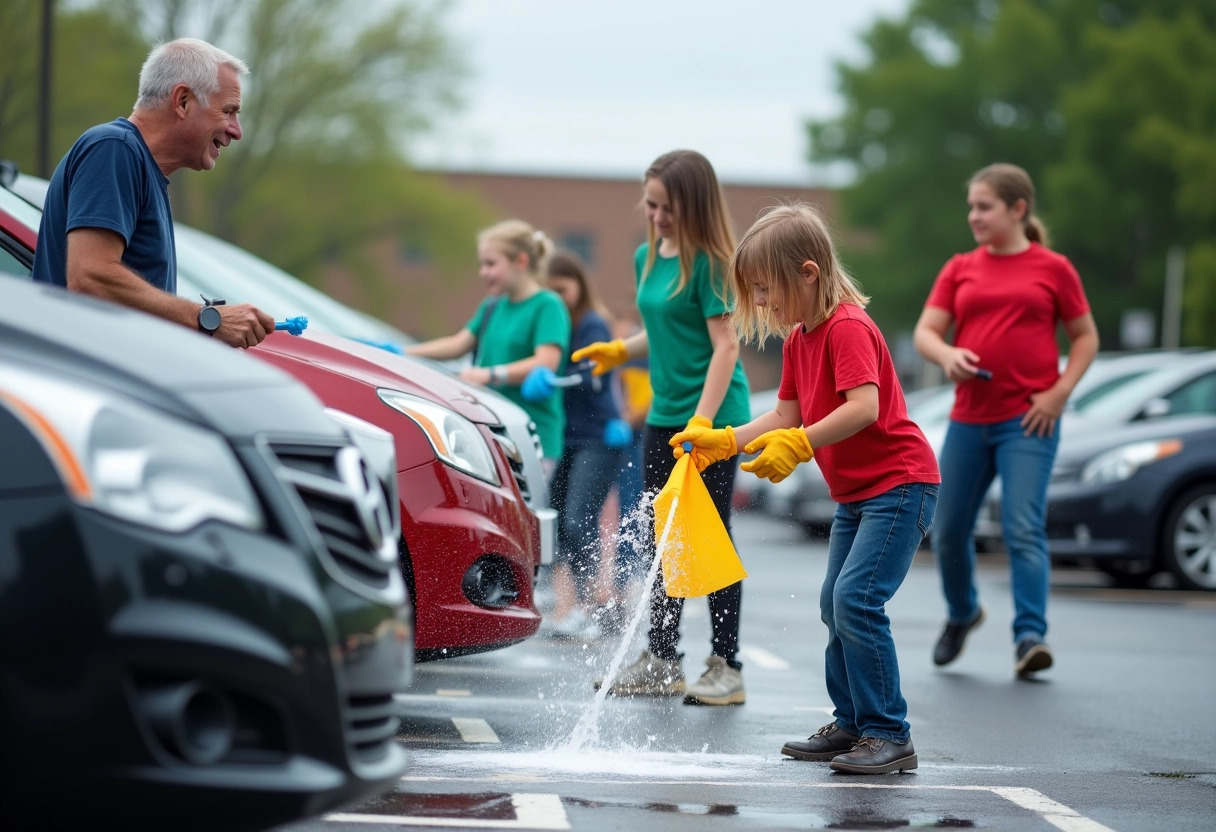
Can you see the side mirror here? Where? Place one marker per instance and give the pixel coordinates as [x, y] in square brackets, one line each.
[1156, 408]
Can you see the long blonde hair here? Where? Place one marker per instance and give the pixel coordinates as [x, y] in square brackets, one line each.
[701, 222]
[772, 252]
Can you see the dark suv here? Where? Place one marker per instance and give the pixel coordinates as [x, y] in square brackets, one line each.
[201, 620]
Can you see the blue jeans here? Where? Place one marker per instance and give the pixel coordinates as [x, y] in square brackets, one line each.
[580, 485]
[631, 563]
[869, 553]
[971, 457]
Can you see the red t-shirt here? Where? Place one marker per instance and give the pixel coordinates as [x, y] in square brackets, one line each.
[1006, 309]
[844, 352]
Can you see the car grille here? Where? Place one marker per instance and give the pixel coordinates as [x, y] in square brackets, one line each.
[512, 452]
[370, 723]
[356, 543]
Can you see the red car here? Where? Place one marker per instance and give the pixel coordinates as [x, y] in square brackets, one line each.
[470, 546]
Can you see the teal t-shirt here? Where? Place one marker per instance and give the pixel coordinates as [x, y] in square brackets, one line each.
[513, 332]
[680, 348]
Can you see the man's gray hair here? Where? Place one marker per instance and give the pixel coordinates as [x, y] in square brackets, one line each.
[188, 61]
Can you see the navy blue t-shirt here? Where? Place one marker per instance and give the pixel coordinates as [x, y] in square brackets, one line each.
[590, 405]
[110, 180]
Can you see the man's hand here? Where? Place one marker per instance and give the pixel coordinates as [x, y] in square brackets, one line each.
[780, 453]
[605, 354]
[243, 325]
[708, 445]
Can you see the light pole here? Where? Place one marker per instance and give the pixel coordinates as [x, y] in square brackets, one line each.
[44, 91]
[1171, 307]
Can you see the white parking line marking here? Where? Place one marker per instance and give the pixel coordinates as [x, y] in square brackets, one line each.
[474, 730]
[532, 811]
[1057, 814]
[453, 692]
[763, 658]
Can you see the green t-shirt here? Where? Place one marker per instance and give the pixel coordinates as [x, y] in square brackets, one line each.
[513, 332]
[680, 348]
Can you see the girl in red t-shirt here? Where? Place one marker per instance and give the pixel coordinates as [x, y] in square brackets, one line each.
[839, 402]
[1005, 301]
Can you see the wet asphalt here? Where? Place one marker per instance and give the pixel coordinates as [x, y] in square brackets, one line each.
[1118, 735]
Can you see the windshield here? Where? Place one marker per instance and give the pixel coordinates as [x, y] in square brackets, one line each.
[1116, 400]
[218, 269]
[1102, 388]
[21, 210]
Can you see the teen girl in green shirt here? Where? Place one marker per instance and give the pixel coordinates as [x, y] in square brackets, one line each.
[698, 380]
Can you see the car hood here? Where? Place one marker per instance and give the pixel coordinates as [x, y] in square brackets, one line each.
[381, 368]
[145, 358]
[1076, 447]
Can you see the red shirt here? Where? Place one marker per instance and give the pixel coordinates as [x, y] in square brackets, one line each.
[1006, 309]
[844, 352]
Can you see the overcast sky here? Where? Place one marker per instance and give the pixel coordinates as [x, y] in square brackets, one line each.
[603, 87]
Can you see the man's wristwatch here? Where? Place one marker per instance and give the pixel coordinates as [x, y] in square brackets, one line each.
[209, 317]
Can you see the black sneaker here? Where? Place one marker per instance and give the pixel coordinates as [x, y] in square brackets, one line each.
[828, 741]
[953, 637]
[1033, 655]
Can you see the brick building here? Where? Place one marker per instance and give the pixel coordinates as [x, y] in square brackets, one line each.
[600, 219]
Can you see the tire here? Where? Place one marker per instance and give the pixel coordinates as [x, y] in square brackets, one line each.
[1188, 538]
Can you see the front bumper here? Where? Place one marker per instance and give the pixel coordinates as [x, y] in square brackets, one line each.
[306, 666]
[461, 535]
[1111, 520]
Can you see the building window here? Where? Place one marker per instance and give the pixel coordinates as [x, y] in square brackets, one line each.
[581, 243]
[413, 253]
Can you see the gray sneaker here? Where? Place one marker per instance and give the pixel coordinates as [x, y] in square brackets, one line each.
[648, 676]
[721, 684]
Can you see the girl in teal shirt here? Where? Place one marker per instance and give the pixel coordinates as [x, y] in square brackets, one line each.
[518, 327]
[698, 380]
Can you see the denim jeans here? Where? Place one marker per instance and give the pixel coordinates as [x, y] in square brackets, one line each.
[580, 485]
[631, 560]
[971, 457]
[869, 553]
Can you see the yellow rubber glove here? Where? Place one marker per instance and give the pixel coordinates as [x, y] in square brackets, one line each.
[780, 452]
[605, 354]
[708, 445]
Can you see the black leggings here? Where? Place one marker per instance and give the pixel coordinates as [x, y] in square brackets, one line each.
[719, 478]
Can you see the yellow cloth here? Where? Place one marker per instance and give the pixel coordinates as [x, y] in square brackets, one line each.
[698, 555]
[636, 389]
[780, 452]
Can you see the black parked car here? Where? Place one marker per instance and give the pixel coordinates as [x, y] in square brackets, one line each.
[1139, 498]
[201, 620]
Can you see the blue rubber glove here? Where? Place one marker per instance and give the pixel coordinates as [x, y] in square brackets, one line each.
[538, 384]
[617, 434]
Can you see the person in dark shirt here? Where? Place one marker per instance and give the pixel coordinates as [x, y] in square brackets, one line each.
[595, 442]
[107, 227]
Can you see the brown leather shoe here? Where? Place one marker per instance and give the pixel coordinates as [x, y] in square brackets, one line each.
[874, 756]
[828, 742]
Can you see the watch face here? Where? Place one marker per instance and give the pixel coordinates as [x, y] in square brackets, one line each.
[209, 319]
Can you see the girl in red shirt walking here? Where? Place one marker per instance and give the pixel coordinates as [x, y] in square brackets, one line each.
[1005, 300]
[841, 403]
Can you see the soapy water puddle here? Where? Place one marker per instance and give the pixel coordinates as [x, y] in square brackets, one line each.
[603, 765]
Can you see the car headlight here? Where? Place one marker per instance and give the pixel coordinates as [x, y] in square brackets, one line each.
[455, 439]
[131, 461]
[1121, 463]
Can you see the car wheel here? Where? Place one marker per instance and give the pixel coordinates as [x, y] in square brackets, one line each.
[1188, 543]
[1129, 573]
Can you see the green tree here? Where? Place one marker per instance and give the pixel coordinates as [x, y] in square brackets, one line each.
[95, 68]
[336, 90]
[957, 84]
